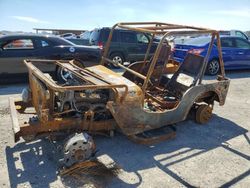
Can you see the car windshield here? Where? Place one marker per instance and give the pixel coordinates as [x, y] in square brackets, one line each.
[200, 41]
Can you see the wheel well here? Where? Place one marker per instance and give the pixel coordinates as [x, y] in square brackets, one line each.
[118, 52]
[208, 97]
[214, 58]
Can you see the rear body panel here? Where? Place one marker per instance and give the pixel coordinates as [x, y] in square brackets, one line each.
[132, 118]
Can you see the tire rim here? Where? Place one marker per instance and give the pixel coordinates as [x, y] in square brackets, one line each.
[117, 59]
[213, 67]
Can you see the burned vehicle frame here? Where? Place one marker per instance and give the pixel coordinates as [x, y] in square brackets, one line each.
[146, 97]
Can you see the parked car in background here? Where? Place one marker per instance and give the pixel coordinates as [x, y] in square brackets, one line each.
[235, 51]
[86, 36]
[69, 36]
[83, 38]
[15, 48]
[126, 46]
[79, 41]
[181, 39]
[235, 33]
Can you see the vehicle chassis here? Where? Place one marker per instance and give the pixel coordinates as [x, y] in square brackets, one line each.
[129, 93]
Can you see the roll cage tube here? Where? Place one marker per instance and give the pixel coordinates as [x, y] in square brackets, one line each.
[165, 29]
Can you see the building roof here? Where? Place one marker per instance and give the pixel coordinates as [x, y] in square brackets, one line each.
[61, 31]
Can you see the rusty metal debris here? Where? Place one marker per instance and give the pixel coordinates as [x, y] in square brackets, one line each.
[94, 173]
[93, 167]
[78, 148]
[203, 114]
[150, 94]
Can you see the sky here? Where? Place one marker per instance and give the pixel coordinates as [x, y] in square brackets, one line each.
[24, 15]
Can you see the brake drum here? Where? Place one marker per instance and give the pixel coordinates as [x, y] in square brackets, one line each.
[203, 114]
[78, 148]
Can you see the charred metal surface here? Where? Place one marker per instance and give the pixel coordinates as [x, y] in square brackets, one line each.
[142, 118]
[155, 111]
[144, 98]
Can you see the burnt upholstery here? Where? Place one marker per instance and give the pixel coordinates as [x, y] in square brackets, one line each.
[186, 76]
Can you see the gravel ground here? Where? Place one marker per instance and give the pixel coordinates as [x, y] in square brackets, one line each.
[212, 155]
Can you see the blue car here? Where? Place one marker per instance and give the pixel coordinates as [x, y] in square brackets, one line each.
[235, 52]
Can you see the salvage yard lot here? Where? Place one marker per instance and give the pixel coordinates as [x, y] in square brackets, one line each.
[212, 155]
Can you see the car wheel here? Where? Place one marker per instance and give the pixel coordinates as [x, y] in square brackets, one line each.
[203, 113]
[63, 74]
[118, 58]
[213, 67]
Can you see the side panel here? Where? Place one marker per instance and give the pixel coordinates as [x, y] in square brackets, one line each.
[11, 61]
[39, 97]
[133, 119]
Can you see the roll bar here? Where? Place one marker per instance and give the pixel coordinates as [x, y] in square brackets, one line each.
[165, 29]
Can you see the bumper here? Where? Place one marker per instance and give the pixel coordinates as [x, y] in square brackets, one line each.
[14, 119]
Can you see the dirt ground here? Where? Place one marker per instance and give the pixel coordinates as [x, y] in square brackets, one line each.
[212, 155]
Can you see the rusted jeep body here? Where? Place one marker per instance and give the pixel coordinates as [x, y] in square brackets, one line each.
[145, 97]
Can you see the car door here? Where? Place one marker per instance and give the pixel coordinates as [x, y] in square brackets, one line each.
[45, 50]
[242, 52]
[227, 46]
[129, 45]
[13, 53]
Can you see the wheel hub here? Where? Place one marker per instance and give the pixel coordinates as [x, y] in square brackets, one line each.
[117, 59]
[213, 67]
[78, 148]
[203, 113]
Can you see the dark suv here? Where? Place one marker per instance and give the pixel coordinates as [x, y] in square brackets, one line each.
[126, 46]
